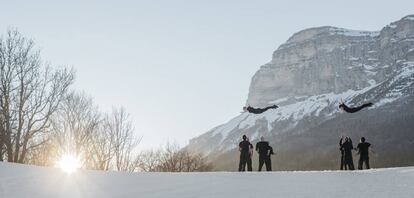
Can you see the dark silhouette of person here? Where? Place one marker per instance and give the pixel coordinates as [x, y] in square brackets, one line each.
[249, 160]
[244, 148]
[268, 162]
[348, 147]
[342, 152]
[353, 109]
[264, 151]
[363, 148]
[258, 110]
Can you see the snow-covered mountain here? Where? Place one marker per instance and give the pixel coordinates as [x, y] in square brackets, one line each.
[22, 181]
[306, 77]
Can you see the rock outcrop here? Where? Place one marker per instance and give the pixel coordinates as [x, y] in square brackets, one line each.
[307, 76]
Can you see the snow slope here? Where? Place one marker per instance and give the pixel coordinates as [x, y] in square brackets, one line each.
[29, 181]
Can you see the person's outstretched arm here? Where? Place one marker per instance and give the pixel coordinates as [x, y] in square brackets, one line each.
[270, 150]
[370, 149]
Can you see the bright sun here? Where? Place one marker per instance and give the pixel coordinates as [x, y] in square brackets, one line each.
[69, 163]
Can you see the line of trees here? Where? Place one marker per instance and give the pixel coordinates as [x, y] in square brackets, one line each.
[41, 119]
[172, 158]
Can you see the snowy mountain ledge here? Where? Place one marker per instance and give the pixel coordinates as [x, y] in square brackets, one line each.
[18, 180]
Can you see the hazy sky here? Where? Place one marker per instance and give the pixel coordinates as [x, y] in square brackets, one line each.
[179, 67]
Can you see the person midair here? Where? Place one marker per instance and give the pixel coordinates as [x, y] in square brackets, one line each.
[353, 109]
[363, 148]
[258, 110]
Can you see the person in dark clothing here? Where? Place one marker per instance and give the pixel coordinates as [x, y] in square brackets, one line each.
[363, 148]
[244, 147]
[264, 151]
[249, 160]
[268, 161]
[258, 110]
[342, 152]
[347, 147]
[353, 109]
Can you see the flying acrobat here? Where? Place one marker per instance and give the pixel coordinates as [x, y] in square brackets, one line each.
[353, 109]
[258, 110]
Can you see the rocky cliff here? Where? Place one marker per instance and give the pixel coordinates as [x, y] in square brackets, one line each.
[306, 77]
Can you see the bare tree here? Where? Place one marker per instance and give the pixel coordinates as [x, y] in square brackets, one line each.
[78, 129]
[40, 120]
[30, 93]
[103, 150]
[149, 161]
[43, 155]
[75, 127]
[123, 140]
[2, 136]
[172, 158]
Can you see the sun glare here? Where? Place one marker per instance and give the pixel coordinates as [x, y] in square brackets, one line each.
[69, 163]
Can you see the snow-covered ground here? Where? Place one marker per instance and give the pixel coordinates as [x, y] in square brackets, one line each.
[30, 181]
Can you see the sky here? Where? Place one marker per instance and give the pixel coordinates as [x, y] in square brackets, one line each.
[179, 67]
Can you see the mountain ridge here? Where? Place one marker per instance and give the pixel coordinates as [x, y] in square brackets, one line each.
[307, 76]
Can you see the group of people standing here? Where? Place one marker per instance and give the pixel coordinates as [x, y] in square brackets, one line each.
[265, 150]
[346, 147]
[246, 154]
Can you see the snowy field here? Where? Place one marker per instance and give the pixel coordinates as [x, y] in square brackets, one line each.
[30, 181]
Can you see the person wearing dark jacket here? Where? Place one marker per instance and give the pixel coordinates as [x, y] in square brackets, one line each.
[353, 109]
[244, 147]
[258, 110]
[264, 151]
[348, 147]
[363, 148]
[342, 152]
[249, 160]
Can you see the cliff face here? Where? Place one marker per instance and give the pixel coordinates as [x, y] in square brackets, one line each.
[306, 77]
[328, 59]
